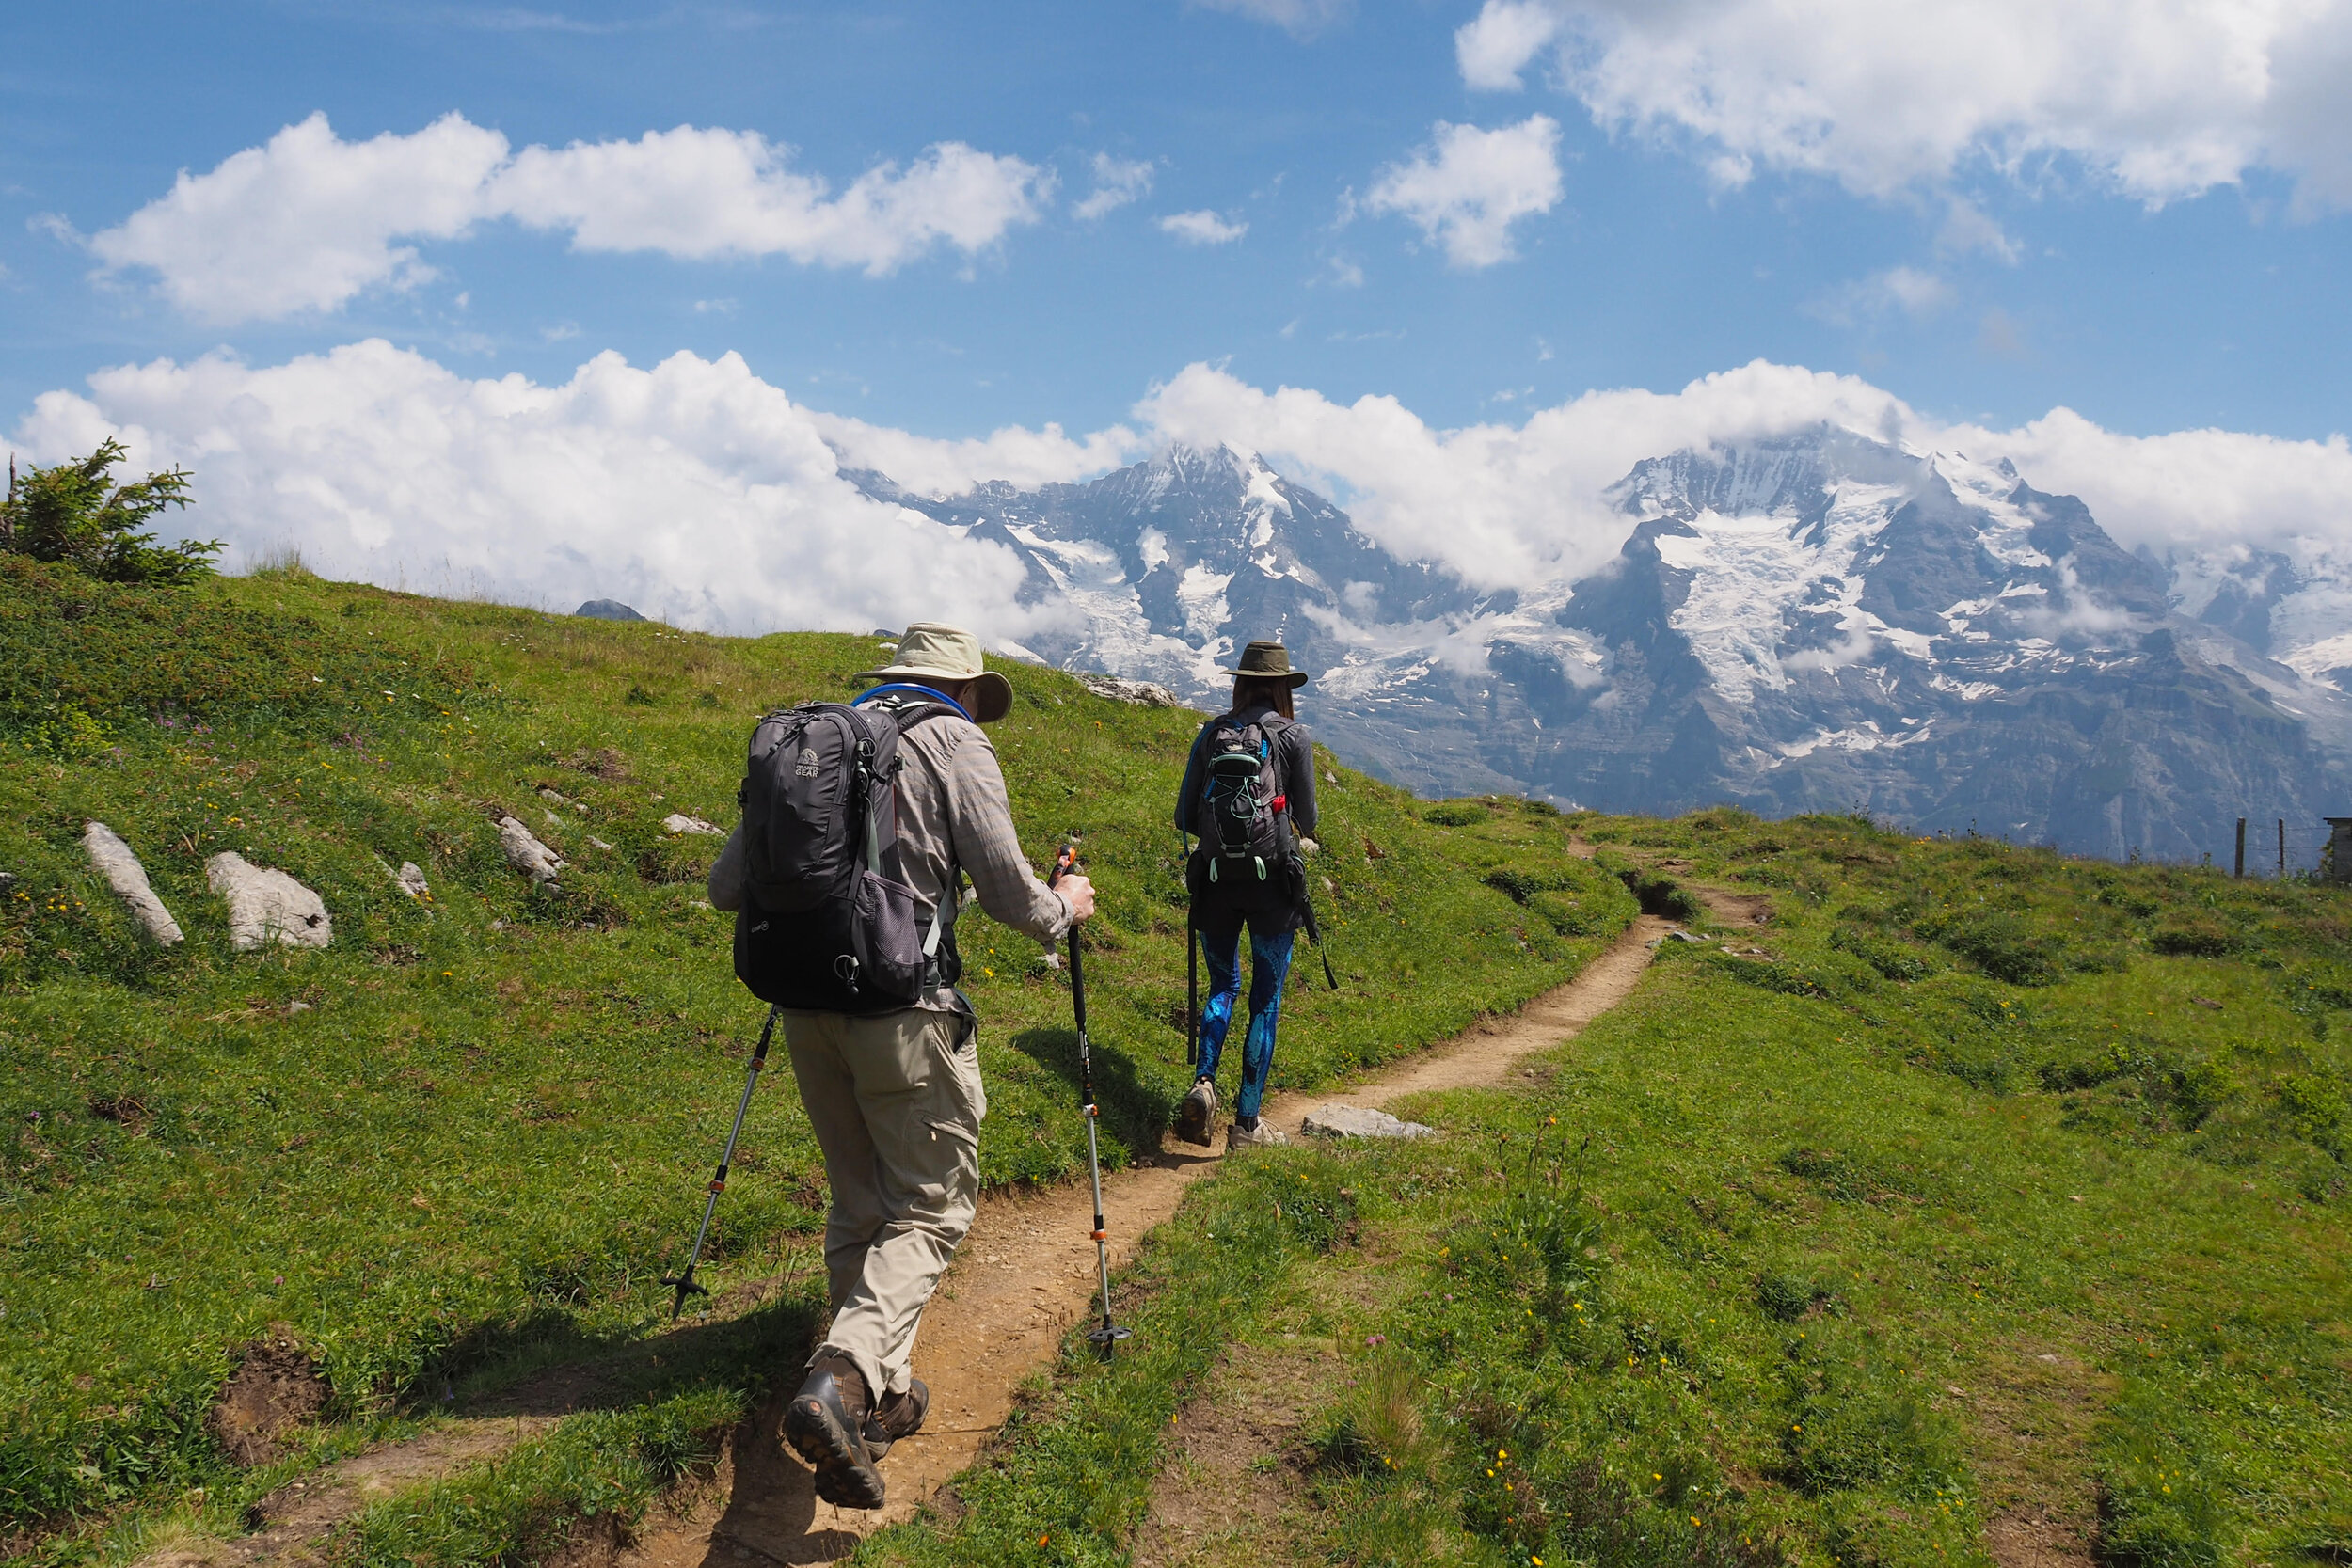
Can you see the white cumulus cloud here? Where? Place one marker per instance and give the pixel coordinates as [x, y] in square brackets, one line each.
[701, 494]
[2162, 100]
[928, 465]
[1116, 182]
[1202, 227]
[693, 490]
[307, 221]
[1468, 188]
[1507, 504]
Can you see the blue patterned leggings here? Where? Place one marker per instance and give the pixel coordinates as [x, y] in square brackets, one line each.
[1269, 966]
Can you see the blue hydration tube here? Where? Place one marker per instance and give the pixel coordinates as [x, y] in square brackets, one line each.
[895, 686]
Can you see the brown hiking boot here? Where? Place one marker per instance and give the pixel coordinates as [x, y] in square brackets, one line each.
[825, 1424]
[1197, 1114]
[897, 1416]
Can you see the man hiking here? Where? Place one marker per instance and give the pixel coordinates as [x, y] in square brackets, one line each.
[894, 1095]
[1248, 792]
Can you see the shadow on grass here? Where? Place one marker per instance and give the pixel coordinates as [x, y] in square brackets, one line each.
[539, 1368]
[1136, 1100]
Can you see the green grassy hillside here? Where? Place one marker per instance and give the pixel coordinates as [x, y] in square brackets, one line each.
[1980, 1207]
[464, 1139]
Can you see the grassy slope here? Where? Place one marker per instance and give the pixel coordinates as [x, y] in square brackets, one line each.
[1870, 1251]
[468, 1136]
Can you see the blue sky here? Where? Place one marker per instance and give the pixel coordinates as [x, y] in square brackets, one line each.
[1970, 215]
[2216, 308]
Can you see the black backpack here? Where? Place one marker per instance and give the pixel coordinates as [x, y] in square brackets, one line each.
[1241, 813]
[828, 922]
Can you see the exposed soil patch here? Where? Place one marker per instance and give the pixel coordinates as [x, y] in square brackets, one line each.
[1222, 1497]
[1737, 909]
[2037, 1541]
[2030, 1419]
[277, 1387]
[291, 1524]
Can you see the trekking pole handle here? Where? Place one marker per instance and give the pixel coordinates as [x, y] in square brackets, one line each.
[1064, 864]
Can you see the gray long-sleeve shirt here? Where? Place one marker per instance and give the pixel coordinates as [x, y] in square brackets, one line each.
[953, 813]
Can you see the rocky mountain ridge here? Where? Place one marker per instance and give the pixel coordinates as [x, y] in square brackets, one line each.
[1820, 622]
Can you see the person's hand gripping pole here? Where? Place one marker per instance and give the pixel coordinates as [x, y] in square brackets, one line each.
[1109, 1332]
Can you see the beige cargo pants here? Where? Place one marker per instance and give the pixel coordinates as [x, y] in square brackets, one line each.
[897, 1102]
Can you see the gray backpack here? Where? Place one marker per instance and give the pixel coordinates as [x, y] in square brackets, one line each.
[828, 922]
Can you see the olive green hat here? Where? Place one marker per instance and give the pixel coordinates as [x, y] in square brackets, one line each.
[1268, 661]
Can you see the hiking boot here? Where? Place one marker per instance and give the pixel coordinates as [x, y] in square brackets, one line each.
[1249, 1133]
[825, 1425]
[897, 1416]
[1198, 1112]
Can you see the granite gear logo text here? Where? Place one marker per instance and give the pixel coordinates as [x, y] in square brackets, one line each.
[806, 767]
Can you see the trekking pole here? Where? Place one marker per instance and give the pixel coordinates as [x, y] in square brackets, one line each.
[1110, 1333]
[685, 1282]
[1192, 991]
[1192, 970]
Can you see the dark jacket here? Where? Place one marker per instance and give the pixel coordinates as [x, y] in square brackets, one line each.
[1293, 764]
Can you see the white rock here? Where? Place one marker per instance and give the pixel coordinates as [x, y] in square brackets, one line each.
[1308, 846]
[128, 878]
[526, 854]
[678, 822]
[550, 796]
[266, 906]
[596, 843]
[1354, 1121]
[1141, 693]
[409, 878]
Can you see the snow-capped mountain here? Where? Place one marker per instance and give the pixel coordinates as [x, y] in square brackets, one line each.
[1818, 623]
[1166, 568]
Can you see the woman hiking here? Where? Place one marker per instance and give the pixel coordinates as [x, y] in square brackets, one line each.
[1248, 793]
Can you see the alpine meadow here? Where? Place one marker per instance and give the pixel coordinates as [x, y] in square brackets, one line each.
[1923, 1200]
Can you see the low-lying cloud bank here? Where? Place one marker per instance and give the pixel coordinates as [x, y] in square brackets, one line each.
[708, 497]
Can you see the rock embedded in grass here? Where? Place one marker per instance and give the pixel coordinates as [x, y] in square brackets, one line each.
[1355, 1122]
[678, 822]
[115, 861]
[526, 854]
[409, 878]
[1138, 693]
[267, 907]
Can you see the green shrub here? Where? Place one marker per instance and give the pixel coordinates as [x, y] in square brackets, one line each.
[2005, 946]
[1893, 959]
[2188, 937]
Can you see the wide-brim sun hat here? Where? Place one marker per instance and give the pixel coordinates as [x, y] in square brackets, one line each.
[930, 652]
[1268, 661]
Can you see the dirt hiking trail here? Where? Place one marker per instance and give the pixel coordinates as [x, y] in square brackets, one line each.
[1025, 1275]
